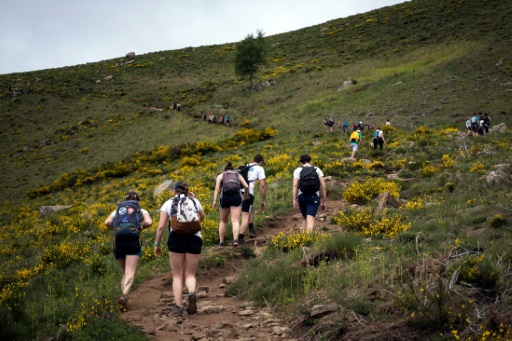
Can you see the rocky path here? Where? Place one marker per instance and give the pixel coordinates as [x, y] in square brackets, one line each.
[218, 317]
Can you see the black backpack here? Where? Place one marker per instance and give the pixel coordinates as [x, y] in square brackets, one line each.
[309, 181]
[128, 219]
[243, 170]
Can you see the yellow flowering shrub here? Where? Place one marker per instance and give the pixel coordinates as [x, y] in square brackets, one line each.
[477, 270]
[62, 255]
[366, 223]
[288, 240]
[448, 162]
[477, 168]
[362, 192]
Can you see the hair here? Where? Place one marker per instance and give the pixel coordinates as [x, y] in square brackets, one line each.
[181, 187]
[305, 158]
[229, 166]
[132, 195]
[258, 158]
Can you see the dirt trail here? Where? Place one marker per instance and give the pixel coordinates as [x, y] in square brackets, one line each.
[218, 317]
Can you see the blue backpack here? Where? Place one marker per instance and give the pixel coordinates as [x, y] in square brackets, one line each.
[128, 219]
[376, 133]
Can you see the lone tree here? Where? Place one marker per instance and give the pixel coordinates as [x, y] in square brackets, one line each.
[250, 54]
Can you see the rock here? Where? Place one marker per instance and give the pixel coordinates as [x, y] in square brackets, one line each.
[46, 210]
[130, 55]
[320, 310]
[108, 78]
[164, 186]
[246, 312]
[211, 309]
[499, 128]
[228, 280]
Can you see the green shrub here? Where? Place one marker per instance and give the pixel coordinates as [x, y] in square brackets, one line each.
[476, 270]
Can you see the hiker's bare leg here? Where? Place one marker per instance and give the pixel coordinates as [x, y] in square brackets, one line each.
[191, 261]
[122, 264]
[310, 223]
[235, 220]
[129, 273]
[224, 213]
[177, 260]
[245, 222]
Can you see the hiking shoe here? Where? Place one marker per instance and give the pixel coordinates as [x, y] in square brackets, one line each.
[252, 233]
[177, 311]
[221, 244]
[192, 299]
[123, 303]
[241, 241]
[235, 242]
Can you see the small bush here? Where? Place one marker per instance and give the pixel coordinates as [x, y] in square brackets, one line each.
[476, 270]
[497, 221]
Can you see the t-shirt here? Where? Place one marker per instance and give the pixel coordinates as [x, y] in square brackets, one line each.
[166, 207]
[296, 175]
[256, 172]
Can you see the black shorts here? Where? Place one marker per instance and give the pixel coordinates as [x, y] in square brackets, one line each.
[184, 243]
[127, 247]
[247, 204]
[228, 200]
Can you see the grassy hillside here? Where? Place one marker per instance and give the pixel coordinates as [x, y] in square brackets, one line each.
[425, 65]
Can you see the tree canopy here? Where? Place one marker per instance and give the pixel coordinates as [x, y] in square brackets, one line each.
[250, 54]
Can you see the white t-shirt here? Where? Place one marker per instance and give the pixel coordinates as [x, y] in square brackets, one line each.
[256, 172]
[166, 207]
[296, 175]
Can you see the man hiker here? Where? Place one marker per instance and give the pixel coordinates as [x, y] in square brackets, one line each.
[255, 173]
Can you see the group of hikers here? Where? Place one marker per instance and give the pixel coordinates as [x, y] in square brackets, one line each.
[356, 136]
[478, 124]
[215, 119]
[183, 215]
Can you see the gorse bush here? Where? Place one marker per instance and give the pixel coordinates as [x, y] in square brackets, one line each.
[365, 222]
[288, 240]
[360, 192]
[476, 270]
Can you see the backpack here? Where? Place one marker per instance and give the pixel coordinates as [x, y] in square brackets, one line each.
[309, 181]
[184, 215]
[474, 120]
[231, 182]
[354, 137]
[128, 219]
[487, 120]
[376, 133]
[345, 124]
[243, 170]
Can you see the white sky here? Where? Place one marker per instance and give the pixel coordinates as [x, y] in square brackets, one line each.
[43, 34]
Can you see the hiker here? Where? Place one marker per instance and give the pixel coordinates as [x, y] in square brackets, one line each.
[227, 120]
[328, 123]
[354, 126]
[388, 123]
[360, 126]
[468, 126]
[204, 116]
[378, 139]
[255, 172]
[221, 120]
[229, 183]
[178, 107]
[344, 128]
[127, 242]
[184, 248]
[309, 191]
[355, 139]
[487, 123]
[475, 122]
[174, 106]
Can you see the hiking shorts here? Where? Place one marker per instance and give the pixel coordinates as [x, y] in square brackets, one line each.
[247, 204]
[354, 146]
[228, 200]
[308, 204]
[127, 247]
[184, 243]
[474, 127]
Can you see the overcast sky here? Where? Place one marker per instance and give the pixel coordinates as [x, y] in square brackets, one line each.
[43, 34]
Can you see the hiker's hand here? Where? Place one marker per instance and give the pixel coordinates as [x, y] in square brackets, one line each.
[191, 194]
[295, 203]
[322, 206]
[214, 205]
[263, 205]
[158, 251]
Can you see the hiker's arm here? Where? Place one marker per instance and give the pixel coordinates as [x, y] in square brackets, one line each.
[244, 185]
[109, 222]
[323, 193]
[216, 191]
[263, 191]
[201, 216]
[146, 221]
[160, 232]
[294, 191]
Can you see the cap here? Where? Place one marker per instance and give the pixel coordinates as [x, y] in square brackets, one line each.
[181, 185]
[358, 130]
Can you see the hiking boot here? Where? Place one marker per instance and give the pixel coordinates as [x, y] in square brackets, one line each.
[221, 244]
[177, 311]
[235, 242]
[123, 303]
[192, 299]
[241, 241]
[252, 233]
